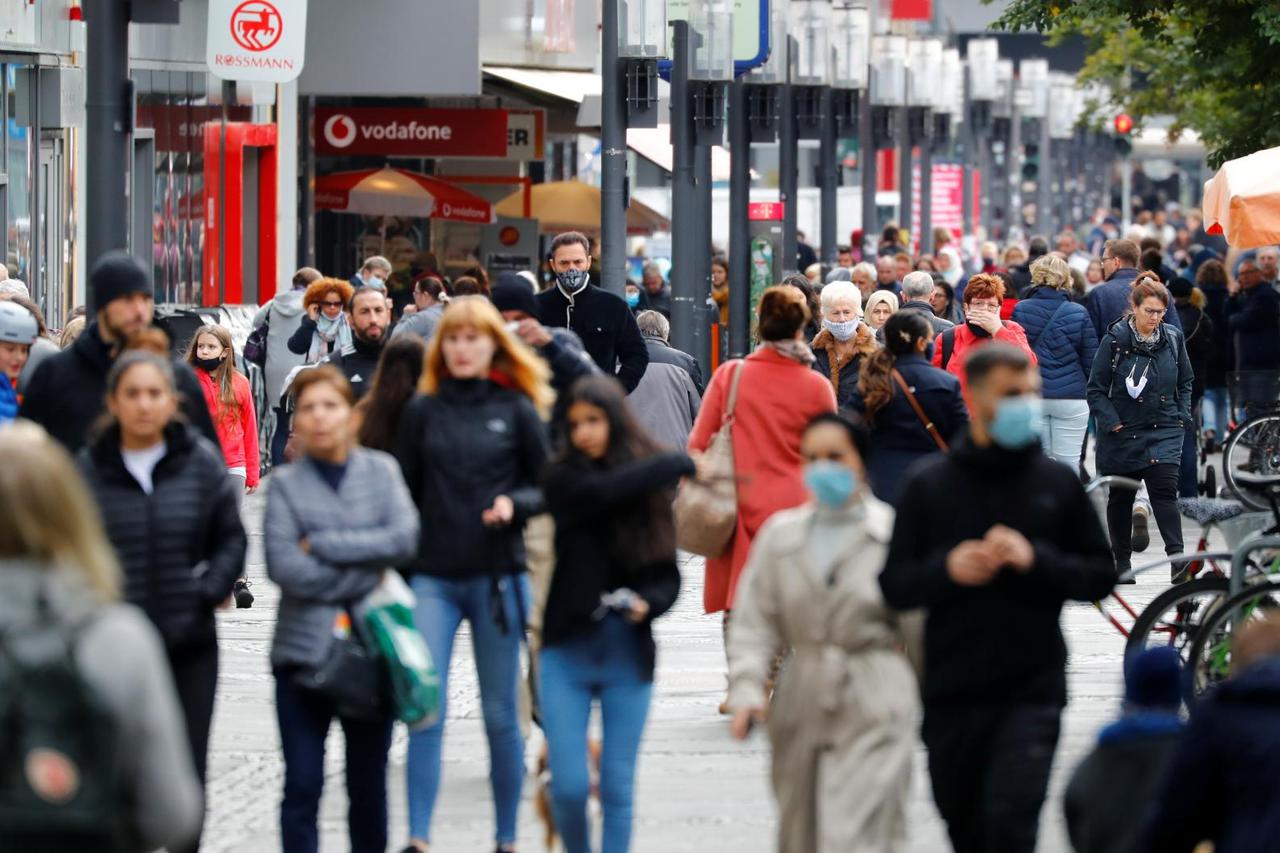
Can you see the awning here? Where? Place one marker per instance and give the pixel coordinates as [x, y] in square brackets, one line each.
[1242, 201]
[575, 206]
[399, 192]
[654, 145]
[567, 85]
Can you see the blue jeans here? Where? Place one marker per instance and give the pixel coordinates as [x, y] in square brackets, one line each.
[1215, 413]
[606, 665]
[442, 605]
[304, 719]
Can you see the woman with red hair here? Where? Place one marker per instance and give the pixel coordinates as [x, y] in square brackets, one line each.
[983, 298]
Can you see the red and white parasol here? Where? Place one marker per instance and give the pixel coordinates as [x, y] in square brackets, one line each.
[399, 192]
[1242, 201]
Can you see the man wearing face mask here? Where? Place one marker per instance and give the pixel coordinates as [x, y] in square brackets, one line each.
[601, 319]
[374, 273]
[368, 316]
[992, 539]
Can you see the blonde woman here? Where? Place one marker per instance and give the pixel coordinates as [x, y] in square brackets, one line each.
[1062, 336]
[880, 306]
[57, 573]
[472, 448]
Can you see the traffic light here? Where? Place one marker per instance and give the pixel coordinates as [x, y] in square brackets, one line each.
[1123, 124]
[1031, 162]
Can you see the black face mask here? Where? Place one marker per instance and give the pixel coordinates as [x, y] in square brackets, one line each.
[208, 365]
[978, 331]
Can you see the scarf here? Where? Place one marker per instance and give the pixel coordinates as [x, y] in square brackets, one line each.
[1146, 340]
[336, 332]
[797, 351]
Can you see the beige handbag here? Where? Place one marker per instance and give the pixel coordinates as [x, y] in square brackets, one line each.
[706, 510]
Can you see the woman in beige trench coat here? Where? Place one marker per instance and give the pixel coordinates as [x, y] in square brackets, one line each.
[843, 719]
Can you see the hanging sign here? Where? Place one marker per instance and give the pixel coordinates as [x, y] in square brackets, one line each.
[257, 40]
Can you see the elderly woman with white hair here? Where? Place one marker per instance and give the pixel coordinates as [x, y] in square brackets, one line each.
[1062, 336]
[844, 340]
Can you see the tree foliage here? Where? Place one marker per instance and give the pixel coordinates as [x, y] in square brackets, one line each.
[1211, 64]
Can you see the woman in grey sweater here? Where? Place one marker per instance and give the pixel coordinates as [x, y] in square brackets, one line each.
[58, 578]
[336, 519]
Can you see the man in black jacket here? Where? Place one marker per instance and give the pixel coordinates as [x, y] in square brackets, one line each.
[656, 333]
[992, 539]
[1253, 317]
[67, 394]
[601, 319]
[917, 287]
[368, 317]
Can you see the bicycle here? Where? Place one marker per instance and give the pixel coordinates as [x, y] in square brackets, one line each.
[1252, 446]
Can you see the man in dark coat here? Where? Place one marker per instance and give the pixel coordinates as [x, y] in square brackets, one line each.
[1253, 318]
[368, 317]
[68, 392]
[655, 292]
[992, 539]
[601, 319]
[661, 352]
[1109, 301]
[917, 287]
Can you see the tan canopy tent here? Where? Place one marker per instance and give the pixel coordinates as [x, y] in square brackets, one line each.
[1242, 201]
[575, 206]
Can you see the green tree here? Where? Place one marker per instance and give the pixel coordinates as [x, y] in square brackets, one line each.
[1211, 64]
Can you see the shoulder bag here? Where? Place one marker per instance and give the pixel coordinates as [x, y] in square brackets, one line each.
[929, 426]
[706, 510]
[255, 348]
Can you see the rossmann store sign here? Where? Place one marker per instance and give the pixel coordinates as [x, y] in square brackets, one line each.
[257, 40]
[413, 132]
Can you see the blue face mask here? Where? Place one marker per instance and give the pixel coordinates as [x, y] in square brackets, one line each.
[633, 300]
[831, 483]
[928, 351]
[841, 331]
[1018, 423]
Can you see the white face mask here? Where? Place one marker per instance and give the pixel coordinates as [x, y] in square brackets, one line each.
[375, 281]
[841, 331]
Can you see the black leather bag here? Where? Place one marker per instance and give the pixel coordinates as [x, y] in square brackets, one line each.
[352, 678]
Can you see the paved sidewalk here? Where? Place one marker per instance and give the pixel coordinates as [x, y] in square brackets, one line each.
[698, 789]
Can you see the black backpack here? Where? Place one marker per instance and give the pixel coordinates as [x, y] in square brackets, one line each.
[61, 778]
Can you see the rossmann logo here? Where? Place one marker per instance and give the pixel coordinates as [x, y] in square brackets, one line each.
[341, 130]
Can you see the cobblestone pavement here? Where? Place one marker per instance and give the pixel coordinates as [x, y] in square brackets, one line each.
[698, 789]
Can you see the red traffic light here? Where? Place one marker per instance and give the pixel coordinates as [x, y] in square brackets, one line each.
[1123, 124]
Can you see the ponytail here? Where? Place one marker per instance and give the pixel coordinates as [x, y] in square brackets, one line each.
[902, 332]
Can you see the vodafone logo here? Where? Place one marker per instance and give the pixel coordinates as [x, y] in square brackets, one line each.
[339, 130]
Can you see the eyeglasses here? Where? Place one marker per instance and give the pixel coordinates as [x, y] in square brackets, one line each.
[1106, 258]
[1154, 312]
[328, 304]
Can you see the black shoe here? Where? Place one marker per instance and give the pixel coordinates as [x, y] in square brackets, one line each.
[244, 598]
[1121, 572]
[1141, 535]
[1178, 571]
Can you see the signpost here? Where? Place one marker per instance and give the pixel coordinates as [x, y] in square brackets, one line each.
[261, 41]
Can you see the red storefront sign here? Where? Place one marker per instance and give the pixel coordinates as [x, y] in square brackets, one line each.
[765, 211]
[911, 10]
[410, 132]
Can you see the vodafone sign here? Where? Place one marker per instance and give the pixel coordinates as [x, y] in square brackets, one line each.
[257, 40]
[410, 132]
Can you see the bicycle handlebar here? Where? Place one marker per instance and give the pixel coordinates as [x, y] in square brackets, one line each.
[1112, 480]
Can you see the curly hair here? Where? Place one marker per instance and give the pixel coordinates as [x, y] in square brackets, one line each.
[983, 286]
[318, 290]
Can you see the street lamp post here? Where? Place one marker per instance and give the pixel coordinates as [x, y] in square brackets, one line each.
[1061, 127]
[1034, 74]
[1001, 135]
[813, 116]
[924, 96]
[850, 57]
[983, 56]
[888, 93]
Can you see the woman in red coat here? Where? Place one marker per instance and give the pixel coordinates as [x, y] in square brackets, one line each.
[983, 302]
[777, 397]
[230, 401]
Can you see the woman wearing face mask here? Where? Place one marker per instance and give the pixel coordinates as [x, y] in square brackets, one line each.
[842, 723]
[843, 343]
[1140, 397]
[610, 491]
[325, 329]
[170, 512]
[983, 298]
[890, 379]
[472, 447]
[230, 401]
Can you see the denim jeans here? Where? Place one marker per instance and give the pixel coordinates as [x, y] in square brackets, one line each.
[604, 664]
[1215, 412]
[442, 605]
[304, 718]
[1065, 423]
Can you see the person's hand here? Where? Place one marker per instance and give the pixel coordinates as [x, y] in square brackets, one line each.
[987, 320]
[249, 490]
[304, 546]
[973, 563]
[1012, 546]
[533, 333]
[639, 610]
[1117, 427]
[743, 721]
[409, 309]
[313, 311]
[500, 514]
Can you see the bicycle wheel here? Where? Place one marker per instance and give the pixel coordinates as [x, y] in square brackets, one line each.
[1253, 447]
[1209, 662]
[1174, 617]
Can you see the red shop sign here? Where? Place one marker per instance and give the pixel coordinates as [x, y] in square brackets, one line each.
[765, 211]
[410, 132]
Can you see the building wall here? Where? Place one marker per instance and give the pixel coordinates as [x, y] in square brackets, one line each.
[527, 33]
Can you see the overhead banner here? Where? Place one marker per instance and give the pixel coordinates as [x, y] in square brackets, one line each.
[257, 40]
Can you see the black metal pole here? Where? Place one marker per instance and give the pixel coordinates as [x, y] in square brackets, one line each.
[106, 129]
[867, 166]
[926, 196]
[739, 224]
[701, 278]
[829, 176]
[613, 156]
[788, 168]
[1013, 173]
[1044, 194]
[905, 143]
[684, 189]
[982, 148]
[966, 143]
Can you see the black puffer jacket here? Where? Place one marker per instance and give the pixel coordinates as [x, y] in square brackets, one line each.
[460, 448]
[182, 546]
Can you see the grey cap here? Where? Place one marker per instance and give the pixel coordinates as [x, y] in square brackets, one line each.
[17, 324]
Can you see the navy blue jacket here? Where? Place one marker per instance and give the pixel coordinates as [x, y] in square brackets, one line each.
[1223, 358]
[1063, 339]
[1109, 301]
[1221, 783]
[1152, 423]
[897, 436]
[1253, 318]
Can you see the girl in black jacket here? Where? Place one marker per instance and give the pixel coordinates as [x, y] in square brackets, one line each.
[610, 493]
[471, 447]
[170, 512]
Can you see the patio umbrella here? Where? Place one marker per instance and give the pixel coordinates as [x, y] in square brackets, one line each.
[399, 192]
[1242, 201]
[575, 206]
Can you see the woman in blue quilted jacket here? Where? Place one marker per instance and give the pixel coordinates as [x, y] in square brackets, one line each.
[1062, 336]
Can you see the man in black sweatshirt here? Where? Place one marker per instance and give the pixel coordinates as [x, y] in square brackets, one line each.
[992, 539]
[369, 318]
[601, 319]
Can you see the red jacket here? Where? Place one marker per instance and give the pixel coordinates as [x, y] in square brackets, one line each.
[777, 398]
[1010, 333]
[237, 429]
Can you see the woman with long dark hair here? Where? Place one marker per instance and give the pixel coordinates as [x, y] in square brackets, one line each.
[610, 491]
[377, 416]
[230, 401]
[890, 380]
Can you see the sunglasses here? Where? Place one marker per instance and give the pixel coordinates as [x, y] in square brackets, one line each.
[328, 304]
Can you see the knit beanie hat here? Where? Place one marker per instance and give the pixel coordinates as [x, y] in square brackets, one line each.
[118, 274]
[1180, 287]
[513, 293]
[1153, 679]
